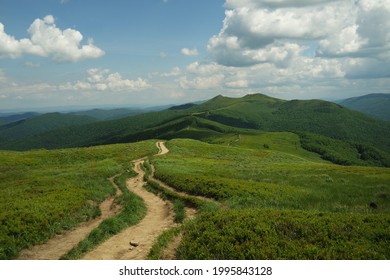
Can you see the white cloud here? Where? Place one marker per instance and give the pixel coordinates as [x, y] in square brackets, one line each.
[202, 82]
[189, 52]
[203, 68]
[274, 3]
[253, 34]
[173, 73]
[116, 83]
[27, 89]
[237, 84]
[305, 38]
[345, 42]
[47, 40]
[366, 35]
[102, 80]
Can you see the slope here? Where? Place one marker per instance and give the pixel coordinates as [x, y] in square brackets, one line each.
[277, 205]
[109, 114]
[89, 134]
[257, 111]
[316, 116]
[375, 104]
[8, 118]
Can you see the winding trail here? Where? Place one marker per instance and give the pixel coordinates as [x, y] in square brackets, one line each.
[159, 218]
[63, 243]
[162, 148]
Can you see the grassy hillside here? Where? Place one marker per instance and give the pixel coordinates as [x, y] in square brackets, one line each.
[368, 138]
[287, 235]
[182, 127]
[278, 202]
[376, 105]
[44, 192]
[247, 177]
[315, 116]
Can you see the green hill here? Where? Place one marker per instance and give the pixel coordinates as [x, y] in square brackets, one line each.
[109, 114]
[8, 118]
[375, 104]
[100, 132]
[351, 137]
[40, 124]
[315, 116]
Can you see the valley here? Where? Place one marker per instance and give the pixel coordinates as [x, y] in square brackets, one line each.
[231, 178]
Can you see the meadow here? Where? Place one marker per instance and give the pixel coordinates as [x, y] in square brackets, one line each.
[273, 199]
[278, 200]
[45, 192]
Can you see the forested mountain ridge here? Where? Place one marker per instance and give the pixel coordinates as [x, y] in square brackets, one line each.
[375, 104]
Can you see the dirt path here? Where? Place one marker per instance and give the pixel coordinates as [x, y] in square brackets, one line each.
[158, 218]
[162, 148]
[63, 243]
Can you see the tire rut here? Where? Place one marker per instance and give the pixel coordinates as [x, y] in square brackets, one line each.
[159, 218]
[64, 242]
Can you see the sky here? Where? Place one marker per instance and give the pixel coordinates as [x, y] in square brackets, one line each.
[151, 52]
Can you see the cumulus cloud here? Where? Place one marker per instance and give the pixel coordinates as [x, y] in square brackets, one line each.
[274, 3]
[203, 68]
[173, 73]
[189, 52]
[279, 32]
[103, 79]
[237, 84]
[47, 40]
[202, 82]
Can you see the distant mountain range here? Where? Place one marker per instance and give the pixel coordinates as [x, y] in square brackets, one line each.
[8, 118]
[375, 104]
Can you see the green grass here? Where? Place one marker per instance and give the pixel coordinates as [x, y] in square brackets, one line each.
[162, 242]
[284, 203]
[280, 234]
[133, 211]
[45, 192]
[271, 179]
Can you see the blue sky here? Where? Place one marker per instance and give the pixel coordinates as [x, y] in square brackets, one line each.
[130, 52]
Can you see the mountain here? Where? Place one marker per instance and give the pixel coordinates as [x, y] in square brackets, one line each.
[109, 114]
[323, 126]
[8, 118]
[375, 104]
[39, 124]
[316, 116]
